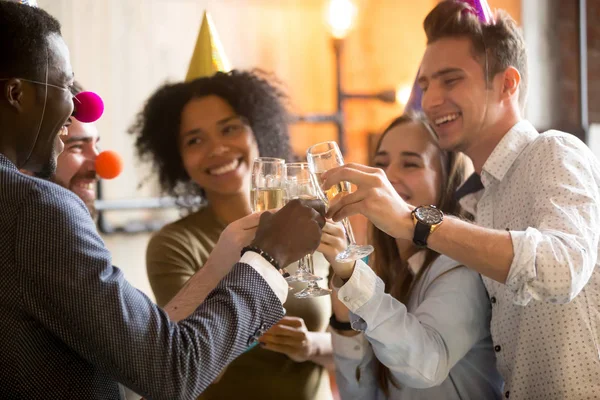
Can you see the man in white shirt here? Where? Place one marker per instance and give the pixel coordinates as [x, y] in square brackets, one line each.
[536, 201]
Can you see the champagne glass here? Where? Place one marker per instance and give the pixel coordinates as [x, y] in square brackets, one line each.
[299, 184]
[266, 190]
[312, 289]
[321, 158]
[266, 186]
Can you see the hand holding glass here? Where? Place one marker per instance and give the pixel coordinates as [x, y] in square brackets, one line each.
[321, 158]
[266, 186]
[298, 184]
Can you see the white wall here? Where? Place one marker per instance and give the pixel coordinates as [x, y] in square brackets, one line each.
[124, 49]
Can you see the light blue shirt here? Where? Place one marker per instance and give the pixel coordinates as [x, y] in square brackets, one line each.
[437, 347]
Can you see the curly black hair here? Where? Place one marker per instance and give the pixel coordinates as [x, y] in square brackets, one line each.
[24, 31]
[254, 95]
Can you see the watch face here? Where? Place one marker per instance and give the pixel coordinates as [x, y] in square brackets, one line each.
[429, 215]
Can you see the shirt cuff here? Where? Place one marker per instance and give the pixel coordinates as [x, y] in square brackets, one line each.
[273, 278]
[359, 288]
[349, 347]
[522, 269]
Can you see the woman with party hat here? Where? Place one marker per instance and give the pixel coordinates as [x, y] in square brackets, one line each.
[203, 135]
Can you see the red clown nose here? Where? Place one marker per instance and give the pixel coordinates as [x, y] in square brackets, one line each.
[88, 107]
[109, 164]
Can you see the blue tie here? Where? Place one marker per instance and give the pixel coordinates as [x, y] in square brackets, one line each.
[471, 185]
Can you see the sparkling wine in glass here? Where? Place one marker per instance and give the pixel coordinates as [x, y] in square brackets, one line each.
[321, 158]
[299, 184]
[267, 198]
[266, 186]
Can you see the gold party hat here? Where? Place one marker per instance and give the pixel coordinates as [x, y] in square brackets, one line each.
[209, 56]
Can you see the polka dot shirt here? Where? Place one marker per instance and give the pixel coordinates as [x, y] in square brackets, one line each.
[545, 190]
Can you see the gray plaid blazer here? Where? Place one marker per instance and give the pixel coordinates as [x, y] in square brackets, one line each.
[71, 326]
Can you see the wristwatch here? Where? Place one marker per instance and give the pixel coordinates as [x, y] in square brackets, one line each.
[338, 325]
[426, 220]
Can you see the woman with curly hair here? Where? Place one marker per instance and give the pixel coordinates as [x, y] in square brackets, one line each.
[203, 136]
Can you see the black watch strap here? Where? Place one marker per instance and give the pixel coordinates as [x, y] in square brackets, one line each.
[421, 234]
[339, 326]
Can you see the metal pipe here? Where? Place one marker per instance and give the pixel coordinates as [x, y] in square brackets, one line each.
[386, 96]
[315, 118]
[136, 204]
[337, 51]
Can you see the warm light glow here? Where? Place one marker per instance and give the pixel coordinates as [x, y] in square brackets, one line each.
[403, 94]
[340, 17]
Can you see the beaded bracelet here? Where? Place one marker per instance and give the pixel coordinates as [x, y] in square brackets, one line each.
[264, 255]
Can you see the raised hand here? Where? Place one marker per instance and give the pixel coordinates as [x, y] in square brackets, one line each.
[333, 242]
[292, 232]
[375, 198]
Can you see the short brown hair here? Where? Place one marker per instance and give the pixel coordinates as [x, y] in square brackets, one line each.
[501, 38]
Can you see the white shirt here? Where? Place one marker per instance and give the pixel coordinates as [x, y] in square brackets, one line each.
[437, 346]
[545, 190]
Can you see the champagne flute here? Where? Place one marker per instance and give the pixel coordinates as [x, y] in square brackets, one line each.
[321, 158]
[312, 289]
[266, 186]
[266, 190]
[298, 184]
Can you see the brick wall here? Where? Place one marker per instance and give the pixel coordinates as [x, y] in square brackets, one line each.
[567, 25]
[593, 37]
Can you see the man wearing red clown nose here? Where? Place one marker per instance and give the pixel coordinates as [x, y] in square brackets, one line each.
[71, 326]
[76, 165]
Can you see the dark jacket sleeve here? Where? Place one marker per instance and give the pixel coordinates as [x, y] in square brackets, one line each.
[72, 289]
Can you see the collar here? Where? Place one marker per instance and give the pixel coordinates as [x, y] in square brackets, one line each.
[508, 150]
[415, 262]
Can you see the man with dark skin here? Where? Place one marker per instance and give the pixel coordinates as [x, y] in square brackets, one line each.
[76, 165]
[71, 325]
